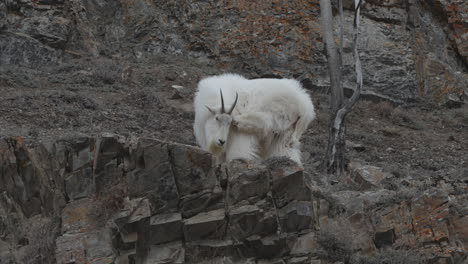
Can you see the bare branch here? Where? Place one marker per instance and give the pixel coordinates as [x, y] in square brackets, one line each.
[337, 128]
[358, 69]
[340, 7]
[334, 61]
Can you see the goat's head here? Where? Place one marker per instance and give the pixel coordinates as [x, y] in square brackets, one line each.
[218, 126]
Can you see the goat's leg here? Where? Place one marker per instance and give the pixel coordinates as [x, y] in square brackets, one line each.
[253, 123]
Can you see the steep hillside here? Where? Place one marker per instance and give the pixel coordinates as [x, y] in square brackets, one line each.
[71, 70]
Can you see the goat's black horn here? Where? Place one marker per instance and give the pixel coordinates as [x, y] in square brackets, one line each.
[222, 102]
[233, 105]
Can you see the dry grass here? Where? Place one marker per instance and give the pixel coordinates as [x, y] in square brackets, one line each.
[336, 239]
[108, 72]
[106, 206]
[40, 241]
[382, 109]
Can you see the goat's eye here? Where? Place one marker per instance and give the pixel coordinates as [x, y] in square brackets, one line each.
[217, 119]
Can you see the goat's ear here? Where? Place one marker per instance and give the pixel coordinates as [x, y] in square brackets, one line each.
[211, 110]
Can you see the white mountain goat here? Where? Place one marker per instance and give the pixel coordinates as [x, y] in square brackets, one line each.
[265, 117]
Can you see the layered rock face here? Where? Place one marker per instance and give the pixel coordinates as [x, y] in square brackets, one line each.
[124, 200]
[410, 49]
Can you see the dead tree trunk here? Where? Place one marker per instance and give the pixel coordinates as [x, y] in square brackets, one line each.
[339, 110]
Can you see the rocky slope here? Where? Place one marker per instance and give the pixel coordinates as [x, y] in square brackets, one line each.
[71, 70]
[409, 49]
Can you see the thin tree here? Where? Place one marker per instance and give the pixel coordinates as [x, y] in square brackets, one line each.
[339, 109]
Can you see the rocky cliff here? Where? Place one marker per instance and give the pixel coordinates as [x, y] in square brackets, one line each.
[112, 199]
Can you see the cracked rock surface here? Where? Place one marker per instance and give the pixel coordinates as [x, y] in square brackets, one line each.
[57, 208]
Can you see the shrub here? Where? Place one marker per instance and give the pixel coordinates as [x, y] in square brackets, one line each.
[336, 239]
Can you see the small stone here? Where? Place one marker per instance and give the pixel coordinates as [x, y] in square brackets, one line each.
[386, 238]
[356, 146]
[365, 176]
[176, 96]
[178, 87]
[452, 101]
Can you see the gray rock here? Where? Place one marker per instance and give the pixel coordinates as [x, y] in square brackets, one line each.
[51, 2]
[126, 242]
[305, 244]
[3, 16]
[25, 50]
[77, 216]
[165, 228]
[173, 252]
[452, 101]
[193, 204]
[142, 210]
[228, 260]
[153, 175]
[356, 202]
[287, 181]
[271, 261]
[208, 250]
[265, 247]
[107, 164]
[296, 216]
[84, 156]
[69, 248]
[366, 177]
[247, 179]
[91, 247]
[192, 168]
[248, 220]
[50, 29]
[107, 148]
[29, 176]
[205, 226]
[299, 260]
[80, 184]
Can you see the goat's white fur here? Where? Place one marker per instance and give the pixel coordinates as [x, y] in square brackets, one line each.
[269, 118]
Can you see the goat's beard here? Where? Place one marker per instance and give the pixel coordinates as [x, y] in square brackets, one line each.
[215, 149]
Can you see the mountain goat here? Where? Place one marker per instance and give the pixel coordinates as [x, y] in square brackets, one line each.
[253, 119]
